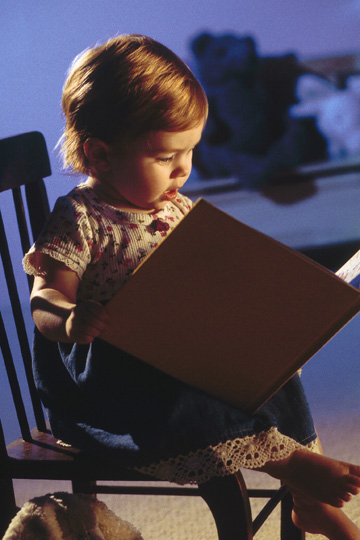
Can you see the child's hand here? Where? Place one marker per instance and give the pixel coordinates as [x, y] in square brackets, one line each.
[87, 320]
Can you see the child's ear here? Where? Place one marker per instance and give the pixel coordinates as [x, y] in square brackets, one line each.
[97, 153]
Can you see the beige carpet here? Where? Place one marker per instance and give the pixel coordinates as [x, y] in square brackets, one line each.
[183, 518]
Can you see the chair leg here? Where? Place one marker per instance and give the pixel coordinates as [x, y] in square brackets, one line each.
[288, 529]
[228, 501]
[8, 507]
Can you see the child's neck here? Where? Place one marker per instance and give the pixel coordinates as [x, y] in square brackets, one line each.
[110, 196]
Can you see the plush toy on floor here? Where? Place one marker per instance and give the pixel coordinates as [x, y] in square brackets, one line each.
[64, 516]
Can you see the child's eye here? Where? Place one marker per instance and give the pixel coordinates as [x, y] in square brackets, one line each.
[165, 159]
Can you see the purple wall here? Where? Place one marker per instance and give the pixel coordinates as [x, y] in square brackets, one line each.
[38, 40]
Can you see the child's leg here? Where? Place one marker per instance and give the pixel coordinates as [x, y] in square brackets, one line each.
[315, 517]
[314, 475]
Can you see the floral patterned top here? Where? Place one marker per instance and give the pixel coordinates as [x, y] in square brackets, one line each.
[99, 242]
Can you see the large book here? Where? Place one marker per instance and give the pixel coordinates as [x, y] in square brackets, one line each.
[227, 309]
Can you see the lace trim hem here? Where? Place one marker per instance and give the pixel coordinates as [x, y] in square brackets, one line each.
[226, 458]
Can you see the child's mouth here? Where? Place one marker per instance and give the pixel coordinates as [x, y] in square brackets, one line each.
[170, 194]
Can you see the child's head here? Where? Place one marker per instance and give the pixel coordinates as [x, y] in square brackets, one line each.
[125, 89]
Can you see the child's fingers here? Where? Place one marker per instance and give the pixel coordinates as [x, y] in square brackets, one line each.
[93, 313]
[87, 321]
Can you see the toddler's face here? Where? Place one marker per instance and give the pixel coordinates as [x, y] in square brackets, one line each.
[153, 170]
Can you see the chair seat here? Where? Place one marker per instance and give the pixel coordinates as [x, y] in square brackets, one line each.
[44, 446]
[44, 456]
[27, 459]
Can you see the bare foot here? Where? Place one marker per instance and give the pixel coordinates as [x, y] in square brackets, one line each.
[315, 517]
[317, 476]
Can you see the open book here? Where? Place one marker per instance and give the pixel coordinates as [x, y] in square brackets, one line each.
[227, 309]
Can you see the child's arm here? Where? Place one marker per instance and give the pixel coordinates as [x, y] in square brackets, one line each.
[54, 307]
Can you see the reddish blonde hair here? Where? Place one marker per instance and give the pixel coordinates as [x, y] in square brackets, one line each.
[124, 89]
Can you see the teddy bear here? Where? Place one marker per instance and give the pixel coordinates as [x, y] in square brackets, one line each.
[66, 516]
[250, 134]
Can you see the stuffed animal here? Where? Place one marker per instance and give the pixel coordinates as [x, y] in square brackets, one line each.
[337, 112]
[64, 516]
[250, 134]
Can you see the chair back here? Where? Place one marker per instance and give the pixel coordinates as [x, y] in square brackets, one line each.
[24, 162]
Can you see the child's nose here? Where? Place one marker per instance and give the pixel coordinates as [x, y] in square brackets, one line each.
[183, 168]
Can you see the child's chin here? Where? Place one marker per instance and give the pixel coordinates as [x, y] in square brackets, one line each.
[159, 205]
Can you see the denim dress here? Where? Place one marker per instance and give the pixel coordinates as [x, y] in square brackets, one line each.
[110, 403]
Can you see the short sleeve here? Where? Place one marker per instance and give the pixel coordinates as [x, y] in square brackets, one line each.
[66, 237]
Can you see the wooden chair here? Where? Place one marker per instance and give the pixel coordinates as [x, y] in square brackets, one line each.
[36, 455]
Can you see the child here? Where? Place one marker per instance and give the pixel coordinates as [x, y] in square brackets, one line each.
[134, 113]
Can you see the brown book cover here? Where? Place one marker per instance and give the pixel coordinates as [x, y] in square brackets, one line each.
[228, 309]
